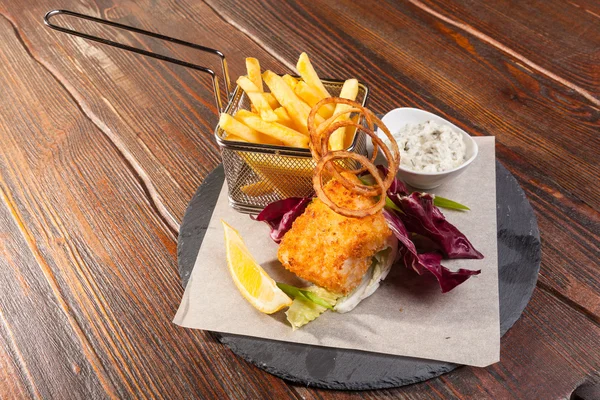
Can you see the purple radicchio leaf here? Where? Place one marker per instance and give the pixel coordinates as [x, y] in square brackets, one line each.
[427, 262]
[421, 216]
[424, 244]
[397, 187]
[281, 214]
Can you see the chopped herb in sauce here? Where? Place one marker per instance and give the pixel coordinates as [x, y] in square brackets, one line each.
[430, 147]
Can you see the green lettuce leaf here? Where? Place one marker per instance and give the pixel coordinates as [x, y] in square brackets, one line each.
[303, 309]
[294, 292]
[443, 202]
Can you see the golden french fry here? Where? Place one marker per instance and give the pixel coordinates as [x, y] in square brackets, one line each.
[283, 174]
[272, 100]
[296, 108]
[350, 132]
[349, 91]
[290, 81]
[234, 138]
[259, 188]
[276, 131]
[253, 68]
[308, 73]
[311, 97]
[255, 77]
[238, 129]
[284, 118]
[257, 98]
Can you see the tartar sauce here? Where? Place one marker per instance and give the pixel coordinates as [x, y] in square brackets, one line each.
[430, 147]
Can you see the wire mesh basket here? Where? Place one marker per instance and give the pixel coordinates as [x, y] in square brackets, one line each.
[259, 174]
[256, 174]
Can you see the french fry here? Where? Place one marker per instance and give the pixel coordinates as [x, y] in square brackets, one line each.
[257, 98]
[296, 108]
[238, 129]
[350, 132]
[253, 68]
[234, 138]
[349, 91]
[290, 80]
[282, 175]
[272, 100]
[311, 97]
[308, 73]
[276, 131]
[259, 188]
[284, 118]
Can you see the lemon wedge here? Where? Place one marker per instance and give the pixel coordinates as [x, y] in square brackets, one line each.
[251, 280]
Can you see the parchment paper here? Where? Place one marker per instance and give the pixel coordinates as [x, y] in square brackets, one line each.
[406, 316]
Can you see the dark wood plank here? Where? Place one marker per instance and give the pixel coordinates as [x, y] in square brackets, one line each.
[547, 135]
[560, 37]
[95, 321]
[38, 351]
[161, 116]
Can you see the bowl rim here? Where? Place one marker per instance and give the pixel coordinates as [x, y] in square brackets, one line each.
[462, 131]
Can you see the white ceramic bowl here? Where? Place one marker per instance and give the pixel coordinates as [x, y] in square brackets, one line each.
[397, 118]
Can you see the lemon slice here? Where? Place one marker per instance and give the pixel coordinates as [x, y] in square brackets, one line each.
[251, 280]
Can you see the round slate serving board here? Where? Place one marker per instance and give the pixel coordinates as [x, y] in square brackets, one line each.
[518, 261]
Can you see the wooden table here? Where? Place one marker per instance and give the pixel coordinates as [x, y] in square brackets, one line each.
[101, 150]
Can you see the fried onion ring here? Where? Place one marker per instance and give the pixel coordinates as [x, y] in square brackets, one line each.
[318, 184]
[319, 146]
[315, 132]
[356, 187]
[320, 136]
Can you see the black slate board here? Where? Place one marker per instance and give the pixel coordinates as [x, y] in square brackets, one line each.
[518, 261]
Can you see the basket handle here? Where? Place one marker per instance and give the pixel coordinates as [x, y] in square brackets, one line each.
[209, 71]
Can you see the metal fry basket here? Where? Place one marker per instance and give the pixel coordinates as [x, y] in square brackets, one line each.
[259, 174]
[256, 174]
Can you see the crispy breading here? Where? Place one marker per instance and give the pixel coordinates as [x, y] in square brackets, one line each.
[329, 249]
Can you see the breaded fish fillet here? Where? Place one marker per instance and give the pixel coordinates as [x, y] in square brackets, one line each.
[329, 249]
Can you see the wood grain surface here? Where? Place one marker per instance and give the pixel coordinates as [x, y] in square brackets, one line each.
[101, 150]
